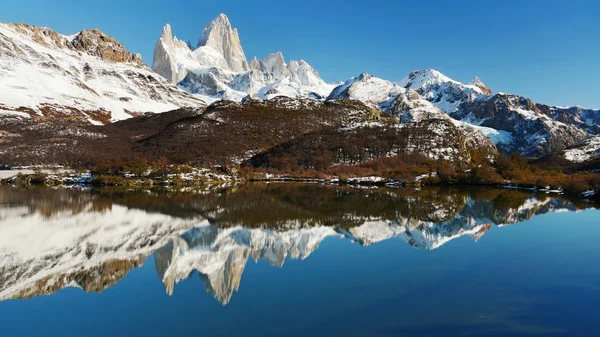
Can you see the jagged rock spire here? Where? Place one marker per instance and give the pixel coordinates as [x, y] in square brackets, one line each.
[220, 36]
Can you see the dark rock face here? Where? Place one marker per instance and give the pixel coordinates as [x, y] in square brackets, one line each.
[585, 119]
[534, 133]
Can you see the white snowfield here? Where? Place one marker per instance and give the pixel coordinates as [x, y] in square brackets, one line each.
[446, 93]
[588, 150]
[218, 69]
[36, 74]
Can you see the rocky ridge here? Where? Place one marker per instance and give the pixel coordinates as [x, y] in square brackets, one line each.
[88, 76]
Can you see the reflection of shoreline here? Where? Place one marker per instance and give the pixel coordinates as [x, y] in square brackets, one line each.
[93, 245]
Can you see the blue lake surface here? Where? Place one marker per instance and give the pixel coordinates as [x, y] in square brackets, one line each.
[294, 261]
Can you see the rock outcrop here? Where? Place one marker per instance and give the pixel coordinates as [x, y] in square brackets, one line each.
[90, 41]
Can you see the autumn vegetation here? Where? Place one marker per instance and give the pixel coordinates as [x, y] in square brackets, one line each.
[256, 140]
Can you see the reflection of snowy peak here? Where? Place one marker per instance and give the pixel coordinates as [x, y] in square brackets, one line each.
[87, 76]
[80, 240]
[220, 255]
[218, 68]
[41, 254]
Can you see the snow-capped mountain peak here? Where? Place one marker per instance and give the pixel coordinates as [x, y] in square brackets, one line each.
[423, 78]
[218, 68]
[446, 93]
[368, 89]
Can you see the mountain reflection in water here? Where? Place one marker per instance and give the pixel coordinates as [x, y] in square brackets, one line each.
[56, 238]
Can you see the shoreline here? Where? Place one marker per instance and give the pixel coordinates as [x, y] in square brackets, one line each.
[206, 179]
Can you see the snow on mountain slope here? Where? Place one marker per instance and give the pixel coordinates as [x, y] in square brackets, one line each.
[406, 104]
[512, 122]
[519, 125]
[218, 68]
[367, 89]
[587, 150]
[88, 75]
[446, 93]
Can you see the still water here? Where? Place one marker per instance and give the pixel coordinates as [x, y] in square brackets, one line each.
[297, 260]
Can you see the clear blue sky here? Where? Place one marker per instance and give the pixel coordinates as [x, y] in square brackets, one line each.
[546, 50]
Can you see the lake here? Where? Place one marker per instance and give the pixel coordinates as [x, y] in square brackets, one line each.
[297, 260]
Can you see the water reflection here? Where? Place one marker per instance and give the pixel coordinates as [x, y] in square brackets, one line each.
[51, 239]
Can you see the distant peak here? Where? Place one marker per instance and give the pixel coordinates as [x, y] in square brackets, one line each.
[476, 80]
[278, 55]
[167, 33]
[479, 84]
[224, 20]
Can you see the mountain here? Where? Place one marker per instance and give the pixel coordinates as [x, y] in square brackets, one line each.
[447, 94]
[585, 119]
[243, 133]
[52, 84]
[88, 76]
[526, 128]
[513, 123]
[221, 37]
[405, 103]
[218, 68]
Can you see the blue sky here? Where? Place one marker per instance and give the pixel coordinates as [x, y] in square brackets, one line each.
[546, 50]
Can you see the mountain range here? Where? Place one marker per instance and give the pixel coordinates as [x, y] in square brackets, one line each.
[90, 77]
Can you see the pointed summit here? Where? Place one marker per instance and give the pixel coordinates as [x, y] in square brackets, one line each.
[165, 50]
[167, 34]
[479, 84]
[219, 36]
